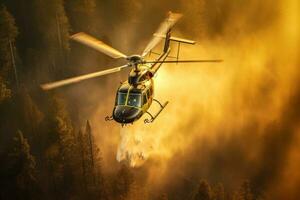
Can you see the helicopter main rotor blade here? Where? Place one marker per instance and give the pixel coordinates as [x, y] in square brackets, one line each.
[97, 45]
[49, 86]
[164, 27]
[184, 61]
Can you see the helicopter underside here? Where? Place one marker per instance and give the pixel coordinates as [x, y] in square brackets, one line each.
[128, 115]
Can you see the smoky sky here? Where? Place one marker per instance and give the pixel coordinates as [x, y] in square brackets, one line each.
[225, 123]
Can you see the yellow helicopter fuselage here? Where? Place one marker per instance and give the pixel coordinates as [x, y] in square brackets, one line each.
[134, 96]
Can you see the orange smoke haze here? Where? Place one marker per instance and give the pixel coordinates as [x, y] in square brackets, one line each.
[225, 122]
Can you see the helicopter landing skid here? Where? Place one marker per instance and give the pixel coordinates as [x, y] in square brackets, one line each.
[153, 117]
[109, 118]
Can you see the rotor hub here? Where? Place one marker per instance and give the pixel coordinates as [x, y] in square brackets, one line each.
[135, 59]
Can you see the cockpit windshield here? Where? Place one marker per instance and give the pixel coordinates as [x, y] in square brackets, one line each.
[121, 100]
[134, 99]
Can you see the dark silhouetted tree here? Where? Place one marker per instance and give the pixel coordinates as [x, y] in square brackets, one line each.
[244, 192]
[60, 148]
[203, 191]
[8, 34]
[81, 148]
[83, 18]
[30, 115]
[88, 132]
[45, 39]
[218, 192]
[53, 25]
[123, 182]
[5, 93]
[93, 163]
[137, 192]
[81, 14]
[25, 167]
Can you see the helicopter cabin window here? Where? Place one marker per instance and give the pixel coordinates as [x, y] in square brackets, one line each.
[134, 99]
[121, 99]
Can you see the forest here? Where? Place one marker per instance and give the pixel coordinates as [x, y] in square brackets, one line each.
[48, 149]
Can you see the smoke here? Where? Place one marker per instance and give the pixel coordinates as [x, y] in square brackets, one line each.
[225, 122]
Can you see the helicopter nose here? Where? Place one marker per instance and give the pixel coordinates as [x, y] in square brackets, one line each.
[126, 114]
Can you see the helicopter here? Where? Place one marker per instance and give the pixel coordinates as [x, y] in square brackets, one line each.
[135, 95]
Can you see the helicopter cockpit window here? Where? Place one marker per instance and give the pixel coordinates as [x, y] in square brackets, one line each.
[134, 100]
[121, 98]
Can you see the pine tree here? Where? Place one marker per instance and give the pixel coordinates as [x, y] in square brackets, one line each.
[88, 132]
[123, 182]
[81, 14]
[5, 93]
[137, 192]
[93, 164]
[60, 148]
[218, 192]
[53, 18]
[83, 18]
[47, 54]
[26, 181]
[63, 127]
[30, 115]
[203, 191]
[81, 148]
[244, 192]
[8, 35]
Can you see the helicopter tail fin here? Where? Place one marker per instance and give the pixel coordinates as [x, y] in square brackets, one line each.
[167, 41]
[168, 38]
[175, 39]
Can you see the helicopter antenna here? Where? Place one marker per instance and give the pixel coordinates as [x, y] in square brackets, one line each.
[183, 61]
